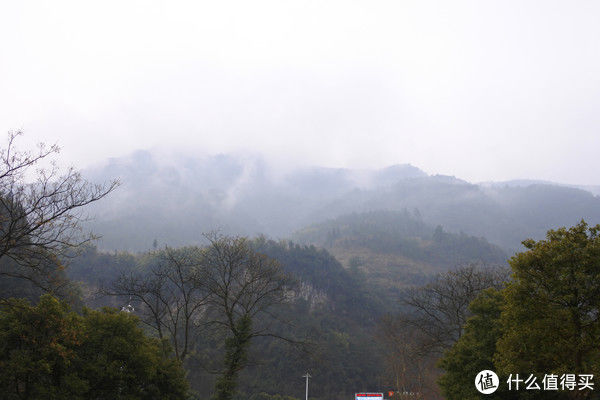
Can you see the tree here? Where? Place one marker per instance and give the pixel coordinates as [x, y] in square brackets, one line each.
[168, 297]
[440, 309]
[545, 321]
[243, 286]
[551, 317]
[118, 361]
[41, 212]
[432, 321]
[37, 348]
[408, 363]
[50, 352]
[474, 351]
[225, 288]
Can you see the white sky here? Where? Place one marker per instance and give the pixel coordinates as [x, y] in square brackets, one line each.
[484, 90]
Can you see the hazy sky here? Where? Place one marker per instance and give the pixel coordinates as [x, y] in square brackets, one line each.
[484, 90]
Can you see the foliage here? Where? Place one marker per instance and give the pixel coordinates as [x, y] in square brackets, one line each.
[175, 205]
[432, 321]
[545, 321]
[393, 232]
[38, 349]
[551, 318]
[318, 268]
[167, 295]
[335, 312]
[227, 291]
[95, 268]
[242, 286]
[474, 351]
[48, 351]
[236, 357]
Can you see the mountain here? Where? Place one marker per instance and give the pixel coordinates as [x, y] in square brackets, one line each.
[504, 215]
[391, 250]
[593, 189]
[177, 198]
[331, 311]
[174, 198]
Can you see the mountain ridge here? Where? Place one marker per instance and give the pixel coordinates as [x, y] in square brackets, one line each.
[175, 199]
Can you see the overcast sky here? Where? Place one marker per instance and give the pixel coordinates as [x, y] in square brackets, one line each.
[483, 90]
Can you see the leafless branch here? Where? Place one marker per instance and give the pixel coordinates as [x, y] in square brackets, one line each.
[41, 209]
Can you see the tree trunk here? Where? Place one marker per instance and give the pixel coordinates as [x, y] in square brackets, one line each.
[236, 353]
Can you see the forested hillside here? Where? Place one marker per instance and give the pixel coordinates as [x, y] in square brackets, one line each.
[503, 215]
[336, 308]
[173, 198]
[333, 314]
[362, 300]
[394, 249]
[299, 200]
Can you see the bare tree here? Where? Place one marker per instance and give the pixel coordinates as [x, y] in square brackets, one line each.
[243, 286]
[440, 308]
[227, 286]
[432, 320]
[408, 365]
[168, 297]
[41, 210]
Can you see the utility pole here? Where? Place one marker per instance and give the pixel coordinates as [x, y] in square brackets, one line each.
[306, 376]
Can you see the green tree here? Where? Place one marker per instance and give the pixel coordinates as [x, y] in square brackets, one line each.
[37, 349]
[236, 357]
[546, 320]
[50, 352]
[119, 361]
[474, 351]
[551, 318]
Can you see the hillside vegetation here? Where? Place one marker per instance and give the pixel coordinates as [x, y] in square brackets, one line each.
[395, 249]
[174, 198]
[334, 315]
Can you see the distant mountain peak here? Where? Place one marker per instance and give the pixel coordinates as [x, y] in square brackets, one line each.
[175, 197]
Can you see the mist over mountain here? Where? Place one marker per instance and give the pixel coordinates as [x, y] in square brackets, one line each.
[174, 199]
[594, 189]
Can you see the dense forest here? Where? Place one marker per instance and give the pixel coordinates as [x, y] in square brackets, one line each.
[331, 312]
[395, 249]
[299, 200]
[363, 300]
[175, 198]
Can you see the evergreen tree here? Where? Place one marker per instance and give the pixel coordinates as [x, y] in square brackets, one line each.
[551, 318]
[50, 352]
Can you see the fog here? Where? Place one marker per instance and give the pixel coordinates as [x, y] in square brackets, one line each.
[484, 91]
[385, 186]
